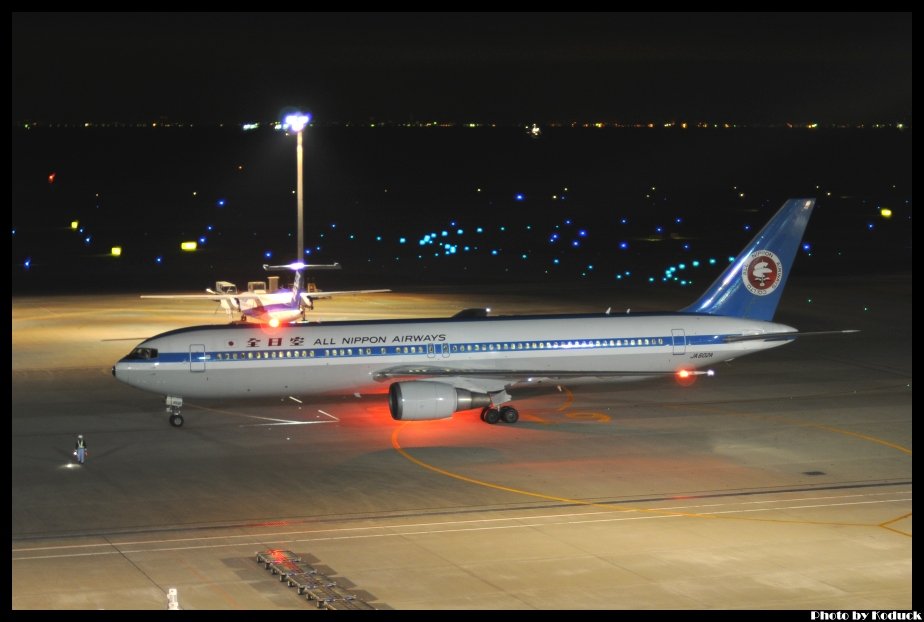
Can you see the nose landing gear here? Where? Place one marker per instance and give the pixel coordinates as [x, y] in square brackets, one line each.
[174, 404]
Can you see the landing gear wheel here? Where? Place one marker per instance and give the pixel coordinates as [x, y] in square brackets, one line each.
[176, 420]
[509, 414]
[484, 411]
[491, 416]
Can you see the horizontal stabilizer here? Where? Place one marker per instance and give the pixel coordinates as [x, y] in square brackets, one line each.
[784, 336]
[304, 266]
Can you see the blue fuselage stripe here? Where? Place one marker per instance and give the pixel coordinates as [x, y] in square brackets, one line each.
[294, 350]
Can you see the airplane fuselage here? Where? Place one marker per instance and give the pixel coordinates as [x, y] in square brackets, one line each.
[282, 306]
[347, 357]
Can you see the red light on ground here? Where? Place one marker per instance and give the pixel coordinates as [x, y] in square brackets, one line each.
[51, 177]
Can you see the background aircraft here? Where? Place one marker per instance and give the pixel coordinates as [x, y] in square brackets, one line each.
[432, 368]
[270, 304]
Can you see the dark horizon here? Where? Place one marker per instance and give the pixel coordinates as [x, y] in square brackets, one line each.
[503, 68]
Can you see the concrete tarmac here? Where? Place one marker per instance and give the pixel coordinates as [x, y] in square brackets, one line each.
[784, 482]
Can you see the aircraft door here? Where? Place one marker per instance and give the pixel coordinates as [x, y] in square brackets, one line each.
[431, 351]
[679, 340]
[445, 347]
[196, 357]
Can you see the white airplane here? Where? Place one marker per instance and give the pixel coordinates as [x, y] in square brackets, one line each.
[432, 368]
[273, 305]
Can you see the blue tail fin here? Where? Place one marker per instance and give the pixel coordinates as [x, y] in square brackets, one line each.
[752, 285]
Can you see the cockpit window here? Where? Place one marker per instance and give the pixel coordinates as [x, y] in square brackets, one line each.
[142, 354]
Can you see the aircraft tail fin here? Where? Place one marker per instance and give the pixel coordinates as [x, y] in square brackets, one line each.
[752, 285]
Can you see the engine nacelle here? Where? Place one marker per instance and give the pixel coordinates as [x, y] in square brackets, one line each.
[423, 401]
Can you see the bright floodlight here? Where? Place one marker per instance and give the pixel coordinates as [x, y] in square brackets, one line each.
[296, 122]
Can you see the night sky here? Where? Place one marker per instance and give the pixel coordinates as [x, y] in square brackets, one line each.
[462, 67]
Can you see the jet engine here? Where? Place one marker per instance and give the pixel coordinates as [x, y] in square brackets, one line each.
[423, 401]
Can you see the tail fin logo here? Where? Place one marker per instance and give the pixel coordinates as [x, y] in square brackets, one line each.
[762, 273]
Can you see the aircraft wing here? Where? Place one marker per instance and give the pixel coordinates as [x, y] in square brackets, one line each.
[308, 296]
[242, 296]
[784, 336]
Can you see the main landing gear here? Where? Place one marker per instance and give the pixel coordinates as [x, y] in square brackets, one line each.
[174, 404]
[507, 414]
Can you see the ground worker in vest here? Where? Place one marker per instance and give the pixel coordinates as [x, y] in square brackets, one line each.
[80, 449]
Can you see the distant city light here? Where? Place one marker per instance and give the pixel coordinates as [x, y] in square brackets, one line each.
[188, 246]
[116, 251]
[885, 212]
[27, 263]
[221, 202]
[75, 225]
[159, 259]
[519, 196]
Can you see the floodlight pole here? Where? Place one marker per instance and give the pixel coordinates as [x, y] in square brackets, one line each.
[300, 197]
